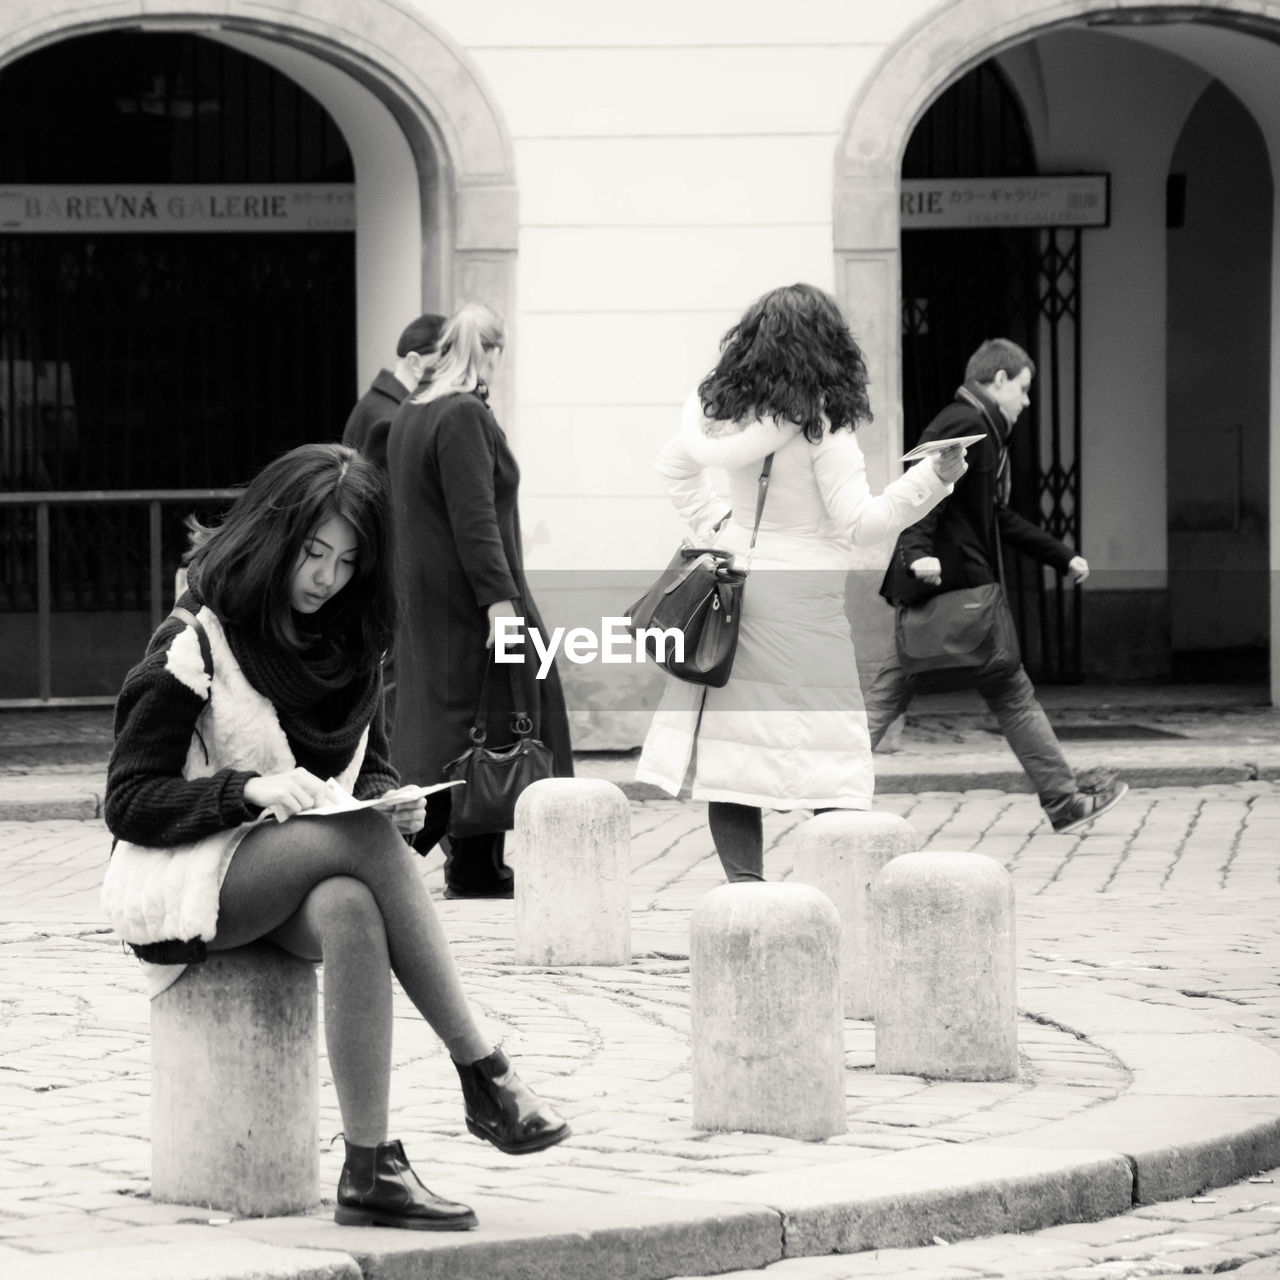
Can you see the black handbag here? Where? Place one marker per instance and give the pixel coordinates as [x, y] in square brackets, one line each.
[494, 777]
[689, 618]
[958, 636]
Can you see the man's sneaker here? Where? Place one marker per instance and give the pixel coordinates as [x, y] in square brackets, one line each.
[1096, 795]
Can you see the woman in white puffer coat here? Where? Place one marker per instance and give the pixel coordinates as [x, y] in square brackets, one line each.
[789, 730]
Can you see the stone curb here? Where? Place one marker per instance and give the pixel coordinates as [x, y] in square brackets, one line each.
[47, 797]
[50, 797]
[1202, 1111]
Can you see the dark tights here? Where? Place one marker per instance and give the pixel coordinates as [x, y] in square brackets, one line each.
[737, 831]
[346, 890]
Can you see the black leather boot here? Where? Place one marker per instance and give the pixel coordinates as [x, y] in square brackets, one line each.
[379, 1189]
[504, 1111]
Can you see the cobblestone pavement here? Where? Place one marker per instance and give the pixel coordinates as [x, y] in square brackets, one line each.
[1171, 900]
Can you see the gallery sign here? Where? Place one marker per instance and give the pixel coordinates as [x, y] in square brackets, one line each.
[108, 208]
[1048, 200]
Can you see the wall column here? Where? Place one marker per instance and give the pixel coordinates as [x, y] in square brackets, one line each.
[868, 286]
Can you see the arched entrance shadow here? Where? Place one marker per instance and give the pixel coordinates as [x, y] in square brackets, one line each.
[460, 143]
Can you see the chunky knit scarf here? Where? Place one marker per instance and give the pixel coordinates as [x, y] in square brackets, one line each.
[324, 706]
[1001, 429]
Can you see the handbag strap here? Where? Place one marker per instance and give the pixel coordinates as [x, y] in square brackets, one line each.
[521, 724]
[185, 615]
[762, 490]
[995, 528]
[202, 637]
[1003, 462]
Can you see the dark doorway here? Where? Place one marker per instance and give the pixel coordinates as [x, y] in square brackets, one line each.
[962, 286]
[166, 360]
[1218, 454]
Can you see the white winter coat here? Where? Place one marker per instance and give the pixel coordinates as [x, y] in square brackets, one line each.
[789, 730]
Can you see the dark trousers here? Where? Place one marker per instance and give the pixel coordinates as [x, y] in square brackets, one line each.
[1021, 718]
[472, 864]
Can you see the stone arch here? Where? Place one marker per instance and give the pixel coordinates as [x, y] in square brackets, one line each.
[460, 143]
[909, 74]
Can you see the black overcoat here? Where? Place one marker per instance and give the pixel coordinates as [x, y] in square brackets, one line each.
[961, 530]
[370, 418]
[454, 488]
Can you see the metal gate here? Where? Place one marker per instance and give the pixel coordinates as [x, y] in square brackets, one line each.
[157, 363]
[1053, 635]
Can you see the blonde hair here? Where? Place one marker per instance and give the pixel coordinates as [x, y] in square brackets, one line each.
[472, 330]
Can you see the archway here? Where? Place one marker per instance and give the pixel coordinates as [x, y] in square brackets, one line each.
[416, 114]
[1205, 42]
[465, 225]
[1219, 247]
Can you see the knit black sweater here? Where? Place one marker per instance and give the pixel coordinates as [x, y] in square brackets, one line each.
[149, 802]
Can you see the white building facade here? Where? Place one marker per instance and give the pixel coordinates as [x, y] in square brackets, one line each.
[620, 181]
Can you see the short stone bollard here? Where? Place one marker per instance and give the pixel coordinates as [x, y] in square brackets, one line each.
[572, 856]
[235, 1102]
[841, 853]
[946, 983]
[767, 1025]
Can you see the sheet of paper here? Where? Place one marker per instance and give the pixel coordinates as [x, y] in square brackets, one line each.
[937, 446]
[344, 803]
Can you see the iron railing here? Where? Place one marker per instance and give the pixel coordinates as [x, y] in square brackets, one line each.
[41, 502]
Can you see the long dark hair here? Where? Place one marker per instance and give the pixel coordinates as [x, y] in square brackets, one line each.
[790, 357]
[243, 567]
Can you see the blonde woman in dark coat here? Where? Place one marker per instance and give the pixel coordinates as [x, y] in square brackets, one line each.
[460, 565]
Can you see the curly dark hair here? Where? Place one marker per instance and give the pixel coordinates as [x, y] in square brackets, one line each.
[243, 566]
[790, 357]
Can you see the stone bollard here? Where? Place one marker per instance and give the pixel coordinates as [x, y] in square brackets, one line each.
[841, 853]
[946, 984]
[572, 853]
[767, 1025]
[235, 1101]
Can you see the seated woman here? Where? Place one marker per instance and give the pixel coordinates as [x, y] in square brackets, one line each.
[230, 726]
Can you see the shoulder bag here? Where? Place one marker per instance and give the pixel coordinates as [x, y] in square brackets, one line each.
[689, 618]
[956, 638]
[494, 777]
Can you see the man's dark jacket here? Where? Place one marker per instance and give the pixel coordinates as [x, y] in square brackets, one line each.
[370, 419]
[961, 530]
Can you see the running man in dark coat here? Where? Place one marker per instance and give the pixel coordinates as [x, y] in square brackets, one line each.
[370, 419]
[454, 487]
[955, 545]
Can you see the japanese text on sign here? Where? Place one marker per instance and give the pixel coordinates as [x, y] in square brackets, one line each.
[1066, 200]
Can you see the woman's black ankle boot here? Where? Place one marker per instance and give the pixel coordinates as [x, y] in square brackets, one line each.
[504, 1111]
[379, 1189]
